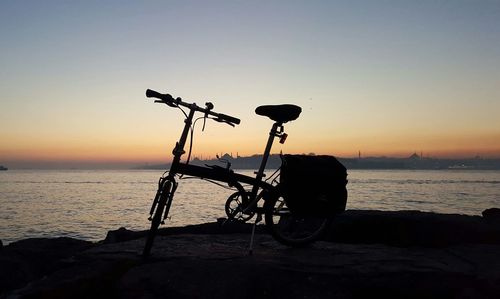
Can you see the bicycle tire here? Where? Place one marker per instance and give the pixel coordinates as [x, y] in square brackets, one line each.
[157, 219]
[292, 230]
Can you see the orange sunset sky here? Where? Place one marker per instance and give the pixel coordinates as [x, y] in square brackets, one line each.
[381, 77]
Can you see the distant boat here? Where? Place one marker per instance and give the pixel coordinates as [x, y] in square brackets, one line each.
[3, 168]
[459, 167]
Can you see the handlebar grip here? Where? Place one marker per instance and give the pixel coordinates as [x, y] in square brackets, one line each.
[154, 94]
[230, 119]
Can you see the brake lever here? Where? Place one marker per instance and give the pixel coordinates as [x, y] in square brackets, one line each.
[209, 106]
[173, 105]
[204, 122]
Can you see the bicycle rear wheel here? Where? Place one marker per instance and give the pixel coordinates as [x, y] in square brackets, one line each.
[291, 229]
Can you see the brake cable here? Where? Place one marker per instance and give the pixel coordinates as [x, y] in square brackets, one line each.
[204, 122]
[192, 127]
[191, 131]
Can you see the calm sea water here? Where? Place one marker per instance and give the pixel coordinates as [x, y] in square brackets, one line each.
[86, 204]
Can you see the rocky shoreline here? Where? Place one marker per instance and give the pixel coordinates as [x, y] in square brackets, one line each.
[399, 254]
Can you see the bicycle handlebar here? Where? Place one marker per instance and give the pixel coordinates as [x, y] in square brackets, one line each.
[154, 94]
[169, 100]
[229, 119]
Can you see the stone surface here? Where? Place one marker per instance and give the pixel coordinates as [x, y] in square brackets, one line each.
[492, 215]
[405, 254]
[26, 260]
[219, 266]
[395, 228]
[412, 228]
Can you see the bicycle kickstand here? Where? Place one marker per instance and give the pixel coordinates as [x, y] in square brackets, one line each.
[257, 220]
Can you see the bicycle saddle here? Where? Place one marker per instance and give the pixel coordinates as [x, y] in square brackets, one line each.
[279, 113]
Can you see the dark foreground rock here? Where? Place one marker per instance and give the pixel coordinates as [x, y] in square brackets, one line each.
[209, 261]
[218, 266]
[492, 215]
[27, 260]
[395, 228]
[412, 228]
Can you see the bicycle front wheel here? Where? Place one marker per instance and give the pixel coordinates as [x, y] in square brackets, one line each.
[291, 229]
[157, 218]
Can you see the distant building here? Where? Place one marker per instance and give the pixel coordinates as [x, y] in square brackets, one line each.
[415, 156]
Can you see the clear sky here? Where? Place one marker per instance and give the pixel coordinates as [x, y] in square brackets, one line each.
[380, 77]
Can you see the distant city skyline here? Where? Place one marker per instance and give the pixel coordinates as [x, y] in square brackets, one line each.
[197, 159]
[413, 161]
[385, 78]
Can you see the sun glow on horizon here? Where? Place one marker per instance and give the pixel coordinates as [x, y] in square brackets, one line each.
[386, 79]
[150, 153]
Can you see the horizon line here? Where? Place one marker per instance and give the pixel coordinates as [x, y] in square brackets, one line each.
[134, 165]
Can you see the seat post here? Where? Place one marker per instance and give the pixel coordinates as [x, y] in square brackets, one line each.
[260, 174]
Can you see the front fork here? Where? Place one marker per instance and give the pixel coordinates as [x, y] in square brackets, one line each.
[166, 188]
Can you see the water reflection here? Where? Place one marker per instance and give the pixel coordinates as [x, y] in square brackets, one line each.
[86, 204]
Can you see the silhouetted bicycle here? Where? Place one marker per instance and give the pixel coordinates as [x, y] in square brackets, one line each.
[286, 227]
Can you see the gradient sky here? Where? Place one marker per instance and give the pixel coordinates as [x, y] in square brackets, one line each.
[380, 77]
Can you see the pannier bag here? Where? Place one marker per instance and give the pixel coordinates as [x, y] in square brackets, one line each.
[313, 185]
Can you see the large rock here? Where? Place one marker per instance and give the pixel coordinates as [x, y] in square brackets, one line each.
[26, 260]
[222, 226]
[396, 228]
[411, 228]
[492, 215]
[431, 255]
[122, 234]
[218, 266]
